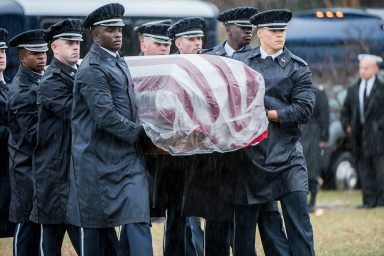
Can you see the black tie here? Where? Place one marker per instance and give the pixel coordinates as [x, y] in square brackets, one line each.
[365, 97]
[269, 58]
[2, 82]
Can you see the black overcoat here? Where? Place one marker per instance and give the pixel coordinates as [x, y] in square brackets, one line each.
[51, 157]
[108, 181]
[22, 117]
[210, 176]
[6, 228]
[277, 164]
[316, 130]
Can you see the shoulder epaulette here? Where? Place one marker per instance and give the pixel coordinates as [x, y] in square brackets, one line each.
[298, 59]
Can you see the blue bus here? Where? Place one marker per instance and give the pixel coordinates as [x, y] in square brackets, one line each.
[330, 39]
[21, 15]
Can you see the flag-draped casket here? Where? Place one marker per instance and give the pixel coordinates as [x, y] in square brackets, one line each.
[194, 104]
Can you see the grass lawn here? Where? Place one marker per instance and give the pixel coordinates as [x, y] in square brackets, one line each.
[339, 228]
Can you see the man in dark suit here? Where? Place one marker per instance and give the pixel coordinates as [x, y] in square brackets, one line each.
[108, 181]
[276, 166]
[22, 118]
[363, 120]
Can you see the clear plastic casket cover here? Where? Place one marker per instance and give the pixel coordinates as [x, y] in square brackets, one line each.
[196, 104]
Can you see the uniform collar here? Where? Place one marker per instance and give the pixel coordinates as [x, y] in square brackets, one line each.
[70, 71]
[264, 54]
[219, 49]
[114, 54]
[107, 56]
[283, 59]
[29, 74]
[228, 49]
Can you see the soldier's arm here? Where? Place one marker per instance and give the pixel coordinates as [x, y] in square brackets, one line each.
[302, 100]
[24, 111]
[96, 91]
[55, 95]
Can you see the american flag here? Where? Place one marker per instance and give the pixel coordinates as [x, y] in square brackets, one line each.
[196, 103]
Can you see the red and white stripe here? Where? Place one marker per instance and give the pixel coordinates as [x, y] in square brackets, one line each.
[193, 104]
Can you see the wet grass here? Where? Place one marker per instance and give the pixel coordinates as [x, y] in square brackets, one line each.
[339, 229]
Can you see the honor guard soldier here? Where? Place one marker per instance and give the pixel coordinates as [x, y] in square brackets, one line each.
[276, 166]
[188, 34]
[52, 153]
[155, 40]
[3, 56]
[219, 219]
[238, 29]
[6, 227]
[139, 30]
[182, 235]
[22, 117]
[108, 182]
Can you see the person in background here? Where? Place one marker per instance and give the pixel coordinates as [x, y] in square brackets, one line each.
[52, 154]
[7, 228]
[108, 183]
[22, 118]
[362, 119]
[275, 169]
[315, 136]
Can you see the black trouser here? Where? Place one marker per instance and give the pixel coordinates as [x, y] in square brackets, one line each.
[26, 239]
[267, 216]
[52, 235]
[219, 234]
[371, 171]
[174, 233]
[217, 237]
[182, 235]
[99, 242]
[136, 240]
[271, 230]
[297, 223]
